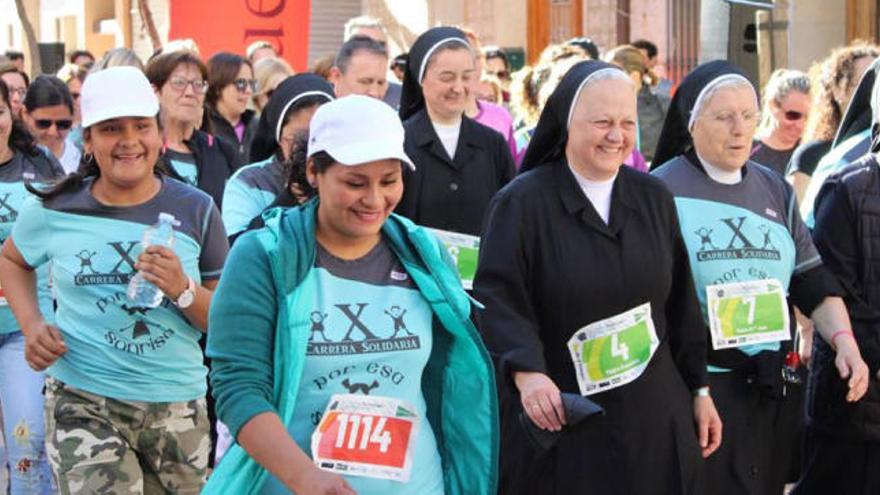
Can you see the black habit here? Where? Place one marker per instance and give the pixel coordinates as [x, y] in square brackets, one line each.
[549, 265]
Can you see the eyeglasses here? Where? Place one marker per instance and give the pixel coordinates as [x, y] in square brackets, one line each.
[61, 125]
[179, 84]
[18, 91]
[242, 85]
[729, 118]
[793, 115]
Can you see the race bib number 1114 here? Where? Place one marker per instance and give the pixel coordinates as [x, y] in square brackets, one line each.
[366, 436]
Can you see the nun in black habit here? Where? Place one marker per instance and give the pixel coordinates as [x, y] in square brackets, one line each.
[460, 164]
[573, 241]
[741, 227]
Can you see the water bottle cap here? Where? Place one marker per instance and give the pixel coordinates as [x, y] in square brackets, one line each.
[168, 217]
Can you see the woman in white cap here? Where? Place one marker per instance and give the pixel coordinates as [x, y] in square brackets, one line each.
[344, 359]
[125, 406]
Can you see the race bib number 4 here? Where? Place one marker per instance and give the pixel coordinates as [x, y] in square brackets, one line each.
[366, 436]
[615, 351]
[750, 312]
[464, 250]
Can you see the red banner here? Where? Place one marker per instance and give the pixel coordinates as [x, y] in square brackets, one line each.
[232, 25]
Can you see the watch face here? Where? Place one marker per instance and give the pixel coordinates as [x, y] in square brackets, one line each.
[186, 299]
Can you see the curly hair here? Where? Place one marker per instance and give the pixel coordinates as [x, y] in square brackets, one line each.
[834, 82]
[19, 138]
[527, 82]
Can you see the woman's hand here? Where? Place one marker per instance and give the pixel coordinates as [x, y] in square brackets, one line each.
[318, 482]
[161, 266]
[708, 424]
[541, 399]
[43, 345]
[850, 365]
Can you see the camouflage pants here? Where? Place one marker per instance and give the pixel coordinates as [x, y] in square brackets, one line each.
[102, 445]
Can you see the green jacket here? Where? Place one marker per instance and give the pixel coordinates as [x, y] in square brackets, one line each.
[256, 370]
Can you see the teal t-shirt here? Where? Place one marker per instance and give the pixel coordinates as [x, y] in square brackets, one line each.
[251, 190]
[370, 333]
[836, 160]
[39, 171]
[739, 232]
[184, 165]
[116, 350]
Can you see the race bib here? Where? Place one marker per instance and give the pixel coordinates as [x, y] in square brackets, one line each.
[368, 436]
[615, 351]
[750, 312]
[464, 250]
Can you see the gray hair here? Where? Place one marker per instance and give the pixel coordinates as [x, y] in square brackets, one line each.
[781, 83]
[359, 22]
[354, 45]
[117, 57]
[721, 82]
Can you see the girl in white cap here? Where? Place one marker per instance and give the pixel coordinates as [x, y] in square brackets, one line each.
[125, 395]
[344, 359]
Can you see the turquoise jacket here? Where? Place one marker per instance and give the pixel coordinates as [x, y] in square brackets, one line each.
[257, 361]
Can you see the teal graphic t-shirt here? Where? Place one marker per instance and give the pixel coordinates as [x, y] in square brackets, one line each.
[39, 171]
[251, 190]
[184, 165]
[370, 333]
[114, 349]
[739, 232]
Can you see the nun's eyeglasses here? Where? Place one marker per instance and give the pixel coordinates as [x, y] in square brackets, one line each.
[729, 118]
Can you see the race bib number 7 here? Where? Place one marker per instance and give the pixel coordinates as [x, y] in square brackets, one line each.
[750, 312]
[366, 436]
[615, 351]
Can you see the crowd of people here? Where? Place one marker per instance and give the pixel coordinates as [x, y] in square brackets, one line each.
[437, 273]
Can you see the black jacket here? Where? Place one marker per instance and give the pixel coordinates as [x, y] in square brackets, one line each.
[222, 128]
[847, 235]
[548, 266]
[453, 195]
[216, 161]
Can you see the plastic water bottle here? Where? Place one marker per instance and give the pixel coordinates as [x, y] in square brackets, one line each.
[141, 292]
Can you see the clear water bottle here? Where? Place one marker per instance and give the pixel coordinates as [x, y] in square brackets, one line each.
[141, 292]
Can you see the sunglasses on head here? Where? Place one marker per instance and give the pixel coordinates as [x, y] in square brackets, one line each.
[793, 115]
[61, 125]
[243, 84]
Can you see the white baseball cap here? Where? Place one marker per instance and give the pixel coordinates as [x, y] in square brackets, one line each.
[117, 92]
[357, 129]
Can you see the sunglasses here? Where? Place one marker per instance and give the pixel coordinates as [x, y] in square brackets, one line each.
[243, 84]
[61, 125]
[793, 115]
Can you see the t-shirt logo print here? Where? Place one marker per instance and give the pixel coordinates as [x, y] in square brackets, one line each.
[8, 214]
[358, 337]
[739, 246]
[120, 272]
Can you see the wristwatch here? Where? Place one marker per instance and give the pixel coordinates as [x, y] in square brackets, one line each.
[702, 392]
[188, 296]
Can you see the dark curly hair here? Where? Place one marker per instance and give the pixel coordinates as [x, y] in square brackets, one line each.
[19, 138]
